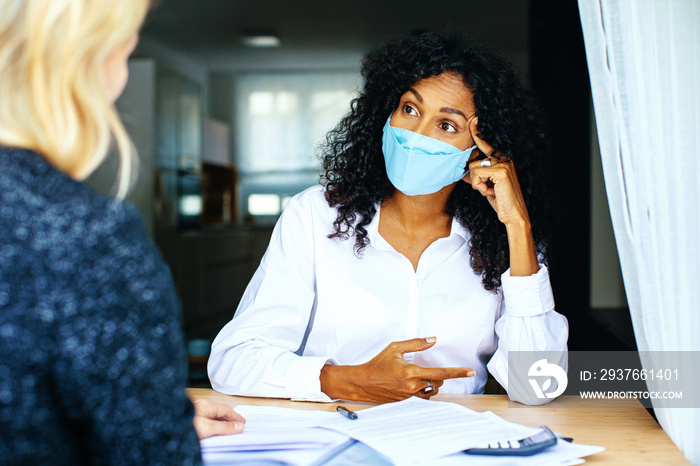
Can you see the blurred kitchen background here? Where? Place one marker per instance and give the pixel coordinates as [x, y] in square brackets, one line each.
[228, 99]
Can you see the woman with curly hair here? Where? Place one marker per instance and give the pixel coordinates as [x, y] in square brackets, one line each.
[396, 278]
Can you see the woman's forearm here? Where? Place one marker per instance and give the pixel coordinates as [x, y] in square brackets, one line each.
[523, 253]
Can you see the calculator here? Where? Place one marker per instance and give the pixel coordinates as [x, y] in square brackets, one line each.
[525, 447]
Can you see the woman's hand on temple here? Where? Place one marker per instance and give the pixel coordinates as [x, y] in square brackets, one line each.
[388, 377]
[499, 184]
[216, 419]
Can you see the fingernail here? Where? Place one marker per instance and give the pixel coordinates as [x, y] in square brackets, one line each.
[431, 339]
[238, 426]
[471, 374]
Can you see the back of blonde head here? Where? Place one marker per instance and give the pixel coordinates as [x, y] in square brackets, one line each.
[54, 98]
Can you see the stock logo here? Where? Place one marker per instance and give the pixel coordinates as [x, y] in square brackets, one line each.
[542, 368]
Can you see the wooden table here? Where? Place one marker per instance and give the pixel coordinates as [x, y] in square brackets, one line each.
[629, 434]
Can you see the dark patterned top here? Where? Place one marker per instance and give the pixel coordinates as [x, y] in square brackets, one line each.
[92, 356]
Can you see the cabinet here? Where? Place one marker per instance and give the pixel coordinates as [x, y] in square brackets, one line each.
[211, 269]
[179, 123]
[178, 199]
[162, 112]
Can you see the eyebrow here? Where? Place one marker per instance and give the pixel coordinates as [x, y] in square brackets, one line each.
[451, 110]
[418, 96]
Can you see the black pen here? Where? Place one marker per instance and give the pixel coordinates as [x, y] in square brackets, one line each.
[346, 412]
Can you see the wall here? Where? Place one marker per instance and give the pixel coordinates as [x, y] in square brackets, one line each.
[221, 89]
[607, 288]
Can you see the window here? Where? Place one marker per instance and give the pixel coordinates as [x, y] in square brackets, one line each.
[280, 119]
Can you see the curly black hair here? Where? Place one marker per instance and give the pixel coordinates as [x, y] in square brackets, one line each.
[354, 173]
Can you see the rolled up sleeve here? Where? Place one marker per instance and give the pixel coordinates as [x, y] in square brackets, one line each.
[528, 322]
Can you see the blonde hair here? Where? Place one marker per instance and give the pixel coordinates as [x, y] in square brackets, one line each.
[54, 97]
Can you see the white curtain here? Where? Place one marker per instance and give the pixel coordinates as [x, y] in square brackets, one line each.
[644, 63]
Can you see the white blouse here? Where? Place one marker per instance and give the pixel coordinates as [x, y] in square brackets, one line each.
[313, 301]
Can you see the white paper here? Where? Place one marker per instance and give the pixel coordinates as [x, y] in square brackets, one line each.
[269, 428]
[271, 417]
[417, 430]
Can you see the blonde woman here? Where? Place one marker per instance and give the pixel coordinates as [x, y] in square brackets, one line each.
[92, 359]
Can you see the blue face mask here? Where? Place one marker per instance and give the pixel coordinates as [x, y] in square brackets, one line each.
[418, 164]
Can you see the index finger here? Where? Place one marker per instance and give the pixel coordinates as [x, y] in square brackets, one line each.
[482, 145]
[442, 373]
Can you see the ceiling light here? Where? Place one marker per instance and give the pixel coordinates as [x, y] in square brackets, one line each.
[261, 40]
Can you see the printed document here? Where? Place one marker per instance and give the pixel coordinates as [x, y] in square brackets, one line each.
[417, 430]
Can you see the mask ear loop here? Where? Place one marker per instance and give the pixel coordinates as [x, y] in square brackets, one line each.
[470, 161]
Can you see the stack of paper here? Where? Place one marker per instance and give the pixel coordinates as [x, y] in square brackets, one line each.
[409, 432]
[271, 434]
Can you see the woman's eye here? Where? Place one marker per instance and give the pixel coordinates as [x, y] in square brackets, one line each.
[409, 110]
[447, 127]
